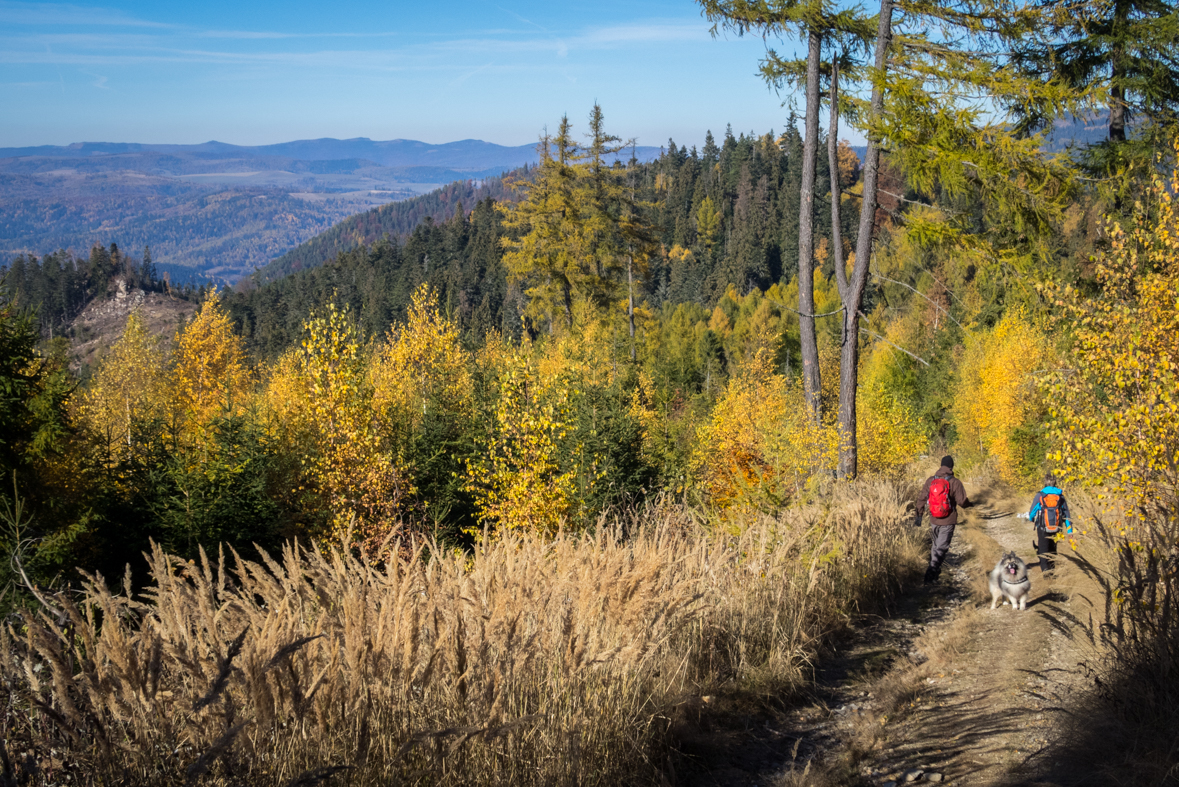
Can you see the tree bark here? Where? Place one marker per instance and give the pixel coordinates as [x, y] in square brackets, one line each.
[1117, 114]
[811, 381]
[630, 300]
[1117, 90]
[853, 297]
[833, 173]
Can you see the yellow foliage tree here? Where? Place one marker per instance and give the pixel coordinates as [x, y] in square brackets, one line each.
[760, 447]
[129, 389]
[322, 397]
[421, 365]
[1116, 410]
[996, 393]
[708, 221]
[519, 483]
[888, 431]
[209, 376]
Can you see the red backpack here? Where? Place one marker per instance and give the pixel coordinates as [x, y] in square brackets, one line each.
[940, 504]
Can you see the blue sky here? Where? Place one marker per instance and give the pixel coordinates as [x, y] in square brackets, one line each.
[250, 72]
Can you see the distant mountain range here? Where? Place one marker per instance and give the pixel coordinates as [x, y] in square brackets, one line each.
[223, 210]
[1074, 131]
[311, 156]
[220, 209]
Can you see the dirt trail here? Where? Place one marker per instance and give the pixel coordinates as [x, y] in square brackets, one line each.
[979, 717]
[945, 685]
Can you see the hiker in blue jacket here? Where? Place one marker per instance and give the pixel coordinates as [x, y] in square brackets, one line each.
[1049, 515]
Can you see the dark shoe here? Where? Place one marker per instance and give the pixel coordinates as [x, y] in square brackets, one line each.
[931, 575]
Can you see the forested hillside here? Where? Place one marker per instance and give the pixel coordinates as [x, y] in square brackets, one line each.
[392, 221]
[56, 288]
[218, 234]
[224, 210]
[725, 216]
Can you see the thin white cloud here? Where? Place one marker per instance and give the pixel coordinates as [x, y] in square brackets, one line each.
[172, 44]
[644, 34]
[99, 82]
[528, 22]
[464, 77]
[247, 35]
[16, 13]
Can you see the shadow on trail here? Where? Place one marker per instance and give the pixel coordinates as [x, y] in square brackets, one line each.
[1117, 725]
[957, 724]
[730, 741]
[1050, 597]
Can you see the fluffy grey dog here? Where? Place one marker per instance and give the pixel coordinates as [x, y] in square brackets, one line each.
[1010, 582]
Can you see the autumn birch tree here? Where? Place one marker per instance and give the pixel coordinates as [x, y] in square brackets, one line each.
[129, 389]
[209, 374]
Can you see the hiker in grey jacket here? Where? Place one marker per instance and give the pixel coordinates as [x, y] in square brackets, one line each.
[953, 496]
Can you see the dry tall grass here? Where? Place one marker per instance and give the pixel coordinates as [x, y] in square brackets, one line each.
[1119, 725]
[531, 661]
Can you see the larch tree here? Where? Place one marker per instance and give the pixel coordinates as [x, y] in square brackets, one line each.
[543, 259]
[584, 234]
[815, 22]
[639, 237]
[943, 92]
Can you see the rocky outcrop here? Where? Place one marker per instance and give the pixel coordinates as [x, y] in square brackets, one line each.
[101, 323]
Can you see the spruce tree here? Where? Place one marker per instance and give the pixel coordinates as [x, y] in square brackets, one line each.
[1127, 48]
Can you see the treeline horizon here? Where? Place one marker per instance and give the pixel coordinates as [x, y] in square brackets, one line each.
[744, 191]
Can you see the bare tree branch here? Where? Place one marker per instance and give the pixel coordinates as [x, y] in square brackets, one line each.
[800, 314]
[894, 346]
[936, 305]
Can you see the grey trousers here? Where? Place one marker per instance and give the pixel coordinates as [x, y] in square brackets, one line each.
[941, 545]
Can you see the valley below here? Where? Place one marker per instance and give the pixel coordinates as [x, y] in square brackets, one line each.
[217, 212]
